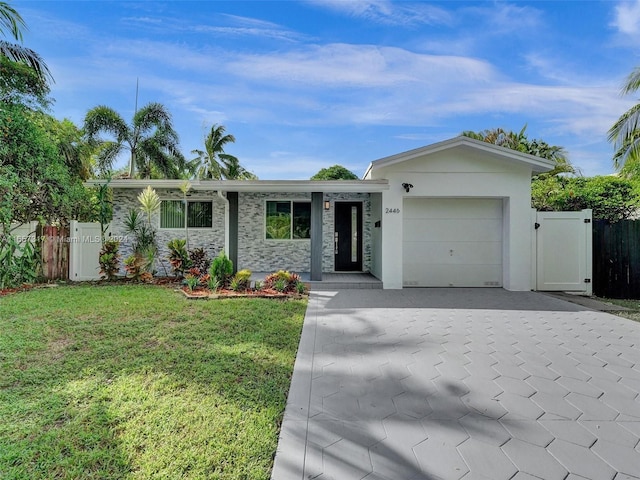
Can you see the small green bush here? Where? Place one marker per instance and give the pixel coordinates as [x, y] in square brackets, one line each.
[191, 281]
[221, 269]
[241, 280]
[284, 281]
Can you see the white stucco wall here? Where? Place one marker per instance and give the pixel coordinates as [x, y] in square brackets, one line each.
[459, 173]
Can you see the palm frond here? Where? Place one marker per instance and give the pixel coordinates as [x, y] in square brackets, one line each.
[11, 20]
[632, 82]
[18, 53]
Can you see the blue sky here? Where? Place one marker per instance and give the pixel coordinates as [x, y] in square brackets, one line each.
[305, 85]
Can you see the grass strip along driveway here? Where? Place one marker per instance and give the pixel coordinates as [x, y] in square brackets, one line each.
[136, 382]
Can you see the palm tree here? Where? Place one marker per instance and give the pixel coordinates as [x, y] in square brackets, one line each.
[232, 170]
[11, 23]
[151, 140]
[520, 142]
[625, 133]
[214, 163]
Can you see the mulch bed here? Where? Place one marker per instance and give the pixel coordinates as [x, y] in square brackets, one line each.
[203, 293]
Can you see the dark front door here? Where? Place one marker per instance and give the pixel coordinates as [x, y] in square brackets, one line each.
[348, 236]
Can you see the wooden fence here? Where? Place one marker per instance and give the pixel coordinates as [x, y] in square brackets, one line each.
[54, 245]
[616, 259]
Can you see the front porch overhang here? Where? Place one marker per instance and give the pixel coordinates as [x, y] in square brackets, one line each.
[253, 186]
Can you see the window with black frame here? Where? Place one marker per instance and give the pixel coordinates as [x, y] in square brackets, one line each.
[199, 214]
[287, 219]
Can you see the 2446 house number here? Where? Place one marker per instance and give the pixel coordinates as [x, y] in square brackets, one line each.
[391, 210]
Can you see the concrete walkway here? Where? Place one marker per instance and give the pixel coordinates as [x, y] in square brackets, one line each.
[461, 384]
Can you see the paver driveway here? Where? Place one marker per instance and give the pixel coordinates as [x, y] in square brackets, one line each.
[461, 383]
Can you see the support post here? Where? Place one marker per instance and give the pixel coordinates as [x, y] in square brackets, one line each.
[232, 197]
[316, 236]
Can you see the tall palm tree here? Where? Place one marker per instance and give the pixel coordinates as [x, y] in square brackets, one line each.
[12, 24]
[150, 139]
[520, 142]
[214, 163]
[625, 133]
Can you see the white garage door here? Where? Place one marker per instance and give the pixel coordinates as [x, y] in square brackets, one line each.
[452, 242]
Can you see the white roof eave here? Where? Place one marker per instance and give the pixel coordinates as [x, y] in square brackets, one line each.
[537, 164]
[277, 186]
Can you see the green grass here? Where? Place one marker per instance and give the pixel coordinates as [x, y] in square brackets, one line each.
[633, 305]
[136, 382]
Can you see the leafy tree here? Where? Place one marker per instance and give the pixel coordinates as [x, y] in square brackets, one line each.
[214, 163]
[611, 198]
[21, 84]
[11, 24]
[625, 133]
[520, 142]
[150, 139]
[336, 172]
[36, 183]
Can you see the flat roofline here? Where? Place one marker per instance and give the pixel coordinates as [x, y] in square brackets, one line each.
[329, 186]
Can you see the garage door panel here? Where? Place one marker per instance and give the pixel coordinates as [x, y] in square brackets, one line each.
[455, 208]
[453, 275]
[472, 253]
[429, 230]
[452, 242]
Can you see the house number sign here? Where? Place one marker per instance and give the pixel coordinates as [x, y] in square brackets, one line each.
[391, 210]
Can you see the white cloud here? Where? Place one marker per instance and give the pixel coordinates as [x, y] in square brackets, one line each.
[386, 12]
[368, 66]
[627, 18]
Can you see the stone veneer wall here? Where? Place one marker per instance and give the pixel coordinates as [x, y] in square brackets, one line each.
[211, 239]
[257, 253]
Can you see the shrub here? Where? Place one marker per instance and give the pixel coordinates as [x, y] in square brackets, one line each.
[136, 266]
[198, 259]
[191, 281]
[109, 259]
[178, 256]
[18, 263]
[284, 281]
[241, 280]
[280, 285]
[221, 269]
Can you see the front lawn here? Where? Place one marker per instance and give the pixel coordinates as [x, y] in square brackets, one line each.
[136, 382]
[633, 305]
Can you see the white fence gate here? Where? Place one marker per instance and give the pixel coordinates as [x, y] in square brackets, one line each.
[563, 251]
[84, 250]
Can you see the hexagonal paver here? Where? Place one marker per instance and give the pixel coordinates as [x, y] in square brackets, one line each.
[580, 460]
[572, 432]
[518, 407]
[346, 460]
[611, 432]
[485, 429]
[555, 407]
[487, 460]
[440, 459]
[464, 394]
[534, 460]
[411, 404]
[591, 408]
[624, 460]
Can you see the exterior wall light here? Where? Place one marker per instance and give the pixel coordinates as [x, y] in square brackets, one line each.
[327, 204]
[407, 187]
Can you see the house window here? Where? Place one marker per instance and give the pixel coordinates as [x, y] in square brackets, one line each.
[199, 214]
[287, 219]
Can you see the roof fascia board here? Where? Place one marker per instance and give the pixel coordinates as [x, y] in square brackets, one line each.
[537, 164]
[337, 186]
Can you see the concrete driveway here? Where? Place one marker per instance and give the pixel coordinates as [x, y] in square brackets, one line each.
[461, 383]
